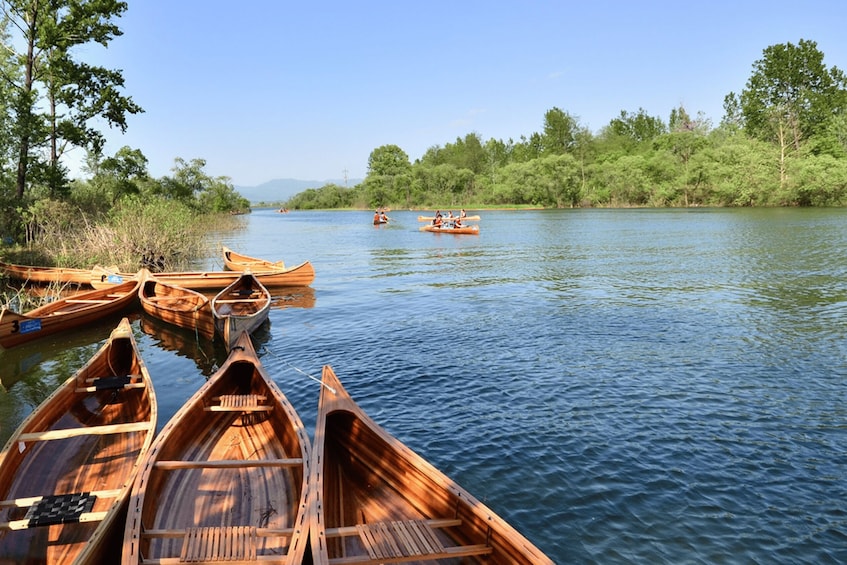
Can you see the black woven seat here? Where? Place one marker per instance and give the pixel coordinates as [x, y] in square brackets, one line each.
[59, 509]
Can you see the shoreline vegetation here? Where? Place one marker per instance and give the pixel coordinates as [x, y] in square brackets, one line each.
[781, 142]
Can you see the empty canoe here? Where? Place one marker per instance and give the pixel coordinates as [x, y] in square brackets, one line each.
[241, 307]
[67, 471]
[374, 500]
[226, 478]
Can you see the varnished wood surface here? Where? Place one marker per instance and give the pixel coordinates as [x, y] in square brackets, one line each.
[76, 442]
[192, 477]
[298, 275]
[177, 305]
[368, 491]
[235, 261]
[464, 230]
[45, 275]
[241, 307]
[65, 313]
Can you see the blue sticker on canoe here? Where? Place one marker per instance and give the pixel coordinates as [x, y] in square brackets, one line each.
[115, 279]
[29, 326]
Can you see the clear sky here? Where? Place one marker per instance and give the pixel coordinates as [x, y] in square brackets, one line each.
[266, 89]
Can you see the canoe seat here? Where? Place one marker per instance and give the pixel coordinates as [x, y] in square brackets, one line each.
[219, 544]
[111, 383]
[240, 403]
[398, 541]
[56, 509]
[236, 300]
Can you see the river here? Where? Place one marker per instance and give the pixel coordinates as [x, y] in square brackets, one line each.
[622, 386]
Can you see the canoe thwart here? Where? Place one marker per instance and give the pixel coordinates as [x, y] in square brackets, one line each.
[398, 541]
[93, 430]
[219, 544]
[240, 403]
[228, 463]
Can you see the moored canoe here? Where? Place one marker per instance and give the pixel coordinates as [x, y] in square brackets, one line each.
[370, 495]
[235, 261]
[177, 305]
[74, 460]
[242, 306]
[226, 478]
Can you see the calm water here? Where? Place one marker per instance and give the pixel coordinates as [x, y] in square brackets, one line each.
[649, 386]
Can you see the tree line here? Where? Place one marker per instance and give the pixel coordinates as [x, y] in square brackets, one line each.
[781, 142]
[52, 101]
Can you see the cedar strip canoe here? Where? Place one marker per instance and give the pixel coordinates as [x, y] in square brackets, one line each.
[78, 452]
[66, 313]
[446, 218]
[466, 230]
[240, 307]
[232, 466]
[374, 500]
[45, 275]
[299, 275]
[176, 305]
[235, 261]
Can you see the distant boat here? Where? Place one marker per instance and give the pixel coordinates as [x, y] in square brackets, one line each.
[374, 500]
[66, 473]
[466, 230]
[226, 478]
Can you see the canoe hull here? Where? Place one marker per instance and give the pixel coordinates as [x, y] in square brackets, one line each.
[217, 466]
[80, 440]
[241, 307]
[464, 230]
[176, 305]
[46, 275]
[66, 313]
[363, 480]
[235, 261]
[299, 275]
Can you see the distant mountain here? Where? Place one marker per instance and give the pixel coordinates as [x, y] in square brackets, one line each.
[279, 190]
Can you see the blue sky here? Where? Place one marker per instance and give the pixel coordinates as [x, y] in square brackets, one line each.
[266, 89]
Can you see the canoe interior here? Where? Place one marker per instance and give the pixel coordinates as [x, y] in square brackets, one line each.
[242, 306]
[84, 463]
[179, 306]
[370, 480]
[177, 499]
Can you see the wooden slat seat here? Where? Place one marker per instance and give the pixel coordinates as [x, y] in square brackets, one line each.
[240, 403]
[219, 544]
[399, 541]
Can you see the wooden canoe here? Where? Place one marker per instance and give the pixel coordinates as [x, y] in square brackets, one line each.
[232, 466]
[299, 275]
[241, 307]
[445, 218]
[466, 230]
[374, 500]
[75, 458]
[46, 275]
[176, 305]
[66, 313]
[235, 261]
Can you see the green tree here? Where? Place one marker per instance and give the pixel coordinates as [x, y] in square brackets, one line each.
[791, 94]
[72, 94]
[560, 132]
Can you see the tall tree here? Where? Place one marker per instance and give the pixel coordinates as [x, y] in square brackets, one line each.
[560, 132]
[791, 94]
[56, 96]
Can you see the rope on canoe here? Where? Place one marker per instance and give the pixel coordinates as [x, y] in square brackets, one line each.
[265, 350]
